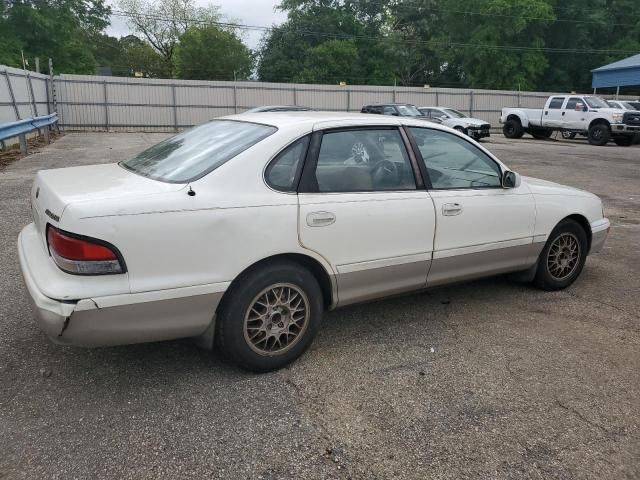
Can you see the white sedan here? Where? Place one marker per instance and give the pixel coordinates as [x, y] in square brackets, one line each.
[474, 127]
[245, 229]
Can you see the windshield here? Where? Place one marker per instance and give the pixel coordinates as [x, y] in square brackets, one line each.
[196, 152]
[596, 102]
[454, 113]
[409, 111]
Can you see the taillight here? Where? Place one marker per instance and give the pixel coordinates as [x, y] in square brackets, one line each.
[83, 255]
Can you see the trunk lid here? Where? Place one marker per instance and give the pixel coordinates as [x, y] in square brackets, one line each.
[54, 189]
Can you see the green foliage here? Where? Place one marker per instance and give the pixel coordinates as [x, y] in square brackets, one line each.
[129, 56]
[212, 53]
[501, 44]
[60, 29]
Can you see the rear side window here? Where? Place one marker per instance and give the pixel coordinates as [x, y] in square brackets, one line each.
[556, 103]
[194, 153]
[283, 171]
[368, 160]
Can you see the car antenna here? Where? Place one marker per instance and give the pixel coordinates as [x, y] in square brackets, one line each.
[191, 193]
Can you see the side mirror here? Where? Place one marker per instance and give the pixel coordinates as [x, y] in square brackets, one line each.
[579, 107]
[585, 109]
[510, 179]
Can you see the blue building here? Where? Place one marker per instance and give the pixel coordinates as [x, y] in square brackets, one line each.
[623, 73]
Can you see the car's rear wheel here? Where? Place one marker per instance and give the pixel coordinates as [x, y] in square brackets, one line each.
[599, 134]
[269, 317]
[562, 257]
[513, 129]
[625, 141]
[541, 133]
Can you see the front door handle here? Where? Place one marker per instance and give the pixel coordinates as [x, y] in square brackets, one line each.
[320, 219]
[451, 209]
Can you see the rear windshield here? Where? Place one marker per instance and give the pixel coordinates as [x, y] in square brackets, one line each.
[196, 152]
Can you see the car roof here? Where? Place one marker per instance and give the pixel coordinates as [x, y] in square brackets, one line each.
[318, 120]
[383, 104]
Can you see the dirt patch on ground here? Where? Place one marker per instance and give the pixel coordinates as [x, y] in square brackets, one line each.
[12, 153]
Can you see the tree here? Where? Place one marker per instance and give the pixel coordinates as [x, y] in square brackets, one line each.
[332, 61]
[210, 53]
[128, 56]
[163, 22]
[60, 29]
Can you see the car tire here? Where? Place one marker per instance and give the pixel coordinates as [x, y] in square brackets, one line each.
[599, 134]
[625, 141]
[563, 256]
[568, 135]
[513, 129]
[541, 134]
[269, 317]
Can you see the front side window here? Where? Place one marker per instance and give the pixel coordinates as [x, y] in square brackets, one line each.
[388, 110]
[572, 103]
[454, 163]
[363, 161]
[194, 153]
[283, 171]
[556, 103]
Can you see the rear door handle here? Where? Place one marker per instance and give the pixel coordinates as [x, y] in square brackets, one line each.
[320, 219]
[451, 209]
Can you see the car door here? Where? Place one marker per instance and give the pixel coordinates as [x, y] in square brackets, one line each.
[552, 116]
[573, 114]
[364, 209]
[481, 228]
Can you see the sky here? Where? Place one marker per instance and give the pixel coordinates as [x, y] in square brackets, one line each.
[248, 12]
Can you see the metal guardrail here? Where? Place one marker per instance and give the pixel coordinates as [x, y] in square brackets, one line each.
[21, 128]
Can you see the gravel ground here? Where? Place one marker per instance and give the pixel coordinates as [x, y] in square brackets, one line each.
[489, 379]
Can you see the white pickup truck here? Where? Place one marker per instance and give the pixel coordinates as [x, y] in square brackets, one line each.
[586, 115]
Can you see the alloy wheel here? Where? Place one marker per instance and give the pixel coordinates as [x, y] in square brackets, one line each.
[277, 319]
[564, 256]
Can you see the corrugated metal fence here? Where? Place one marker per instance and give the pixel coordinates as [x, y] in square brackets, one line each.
[86, 102]
[23, 96]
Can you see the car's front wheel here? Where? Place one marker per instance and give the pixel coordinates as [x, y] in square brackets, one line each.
[562, 257]
[269, 317]
[599, 134]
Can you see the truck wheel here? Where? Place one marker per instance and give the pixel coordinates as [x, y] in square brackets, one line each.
[513, 129]
[599, 134]
[568, 135]
[541, 134]
[625, 141]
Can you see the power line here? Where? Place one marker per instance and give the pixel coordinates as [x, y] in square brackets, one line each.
[414, 42]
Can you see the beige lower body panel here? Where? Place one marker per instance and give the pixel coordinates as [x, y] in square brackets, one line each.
[481, 264]
[140, 322]
[363, 285]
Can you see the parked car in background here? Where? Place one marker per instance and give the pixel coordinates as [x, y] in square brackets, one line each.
[278, 108]
[247, 228]
[474, 127]
[396, 110]
[621, 104]
[587, 115]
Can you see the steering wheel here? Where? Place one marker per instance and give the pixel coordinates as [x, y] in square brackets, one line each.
[385, 173]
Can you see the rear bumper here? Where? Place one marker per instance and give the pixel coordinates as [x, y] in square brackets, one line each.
[599, 231]
[117, 319]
